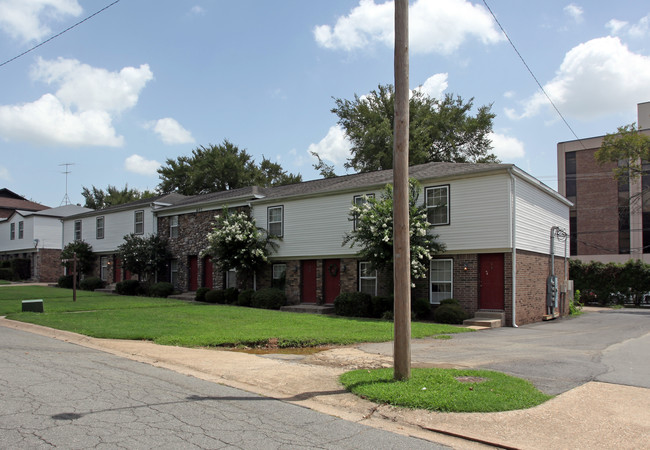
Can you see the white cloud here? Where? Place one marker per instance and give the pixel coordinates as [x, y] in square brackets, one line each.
[616, 26]
[197, 10]
[574, 11]
[334, 147]
[596, 78]
[4, 174]
[137, 164]
[434, 86]
[506, 147]
[170, 131]
[81, 111]
[435, 27]
[639, 30]
[24, 19]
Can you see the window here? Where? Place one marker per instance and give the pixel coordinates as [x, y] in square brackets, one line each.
[173, 226]
[275, 214]
[103, 268]
[77, 230]
[437, 203]
[99, 227]
[360, 200]
[442, 280]
[21, 229]
[12, 231]
[279, 276]
[367, 278]
[173, 271]
[231, 279]
[138, 227]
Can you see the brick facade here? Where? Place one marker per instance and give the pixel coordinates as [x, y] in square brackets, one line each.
[48, 266]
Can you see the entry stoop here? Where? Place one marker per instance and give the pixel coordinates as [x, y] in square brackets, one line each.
[490, 319]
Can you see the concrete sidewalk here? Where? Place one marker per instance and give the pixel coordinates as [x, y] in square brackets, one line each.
[592, 416]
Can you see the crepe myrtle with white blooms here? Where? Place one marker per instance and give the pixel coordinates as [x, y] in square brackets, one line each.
[373, 231]
[237, 243]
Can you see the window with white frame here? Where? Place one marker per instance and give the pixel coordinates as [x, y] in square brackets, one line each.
[437, 203]
[367, 278]
[275, 225]
[173, 226]
[103, 268]
[138, 226]
[12, 231]
[99, 227]
[231, 279]
[279, 276]
[21, 229]
[173, 271]
[442, 280]
[77, 230]
[360, 200]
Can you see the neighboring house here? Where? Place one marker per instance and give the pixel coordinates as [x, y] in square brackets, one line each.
[36, 236]
[10, 202]
[610, 221]
[105, 229]
[495, 220]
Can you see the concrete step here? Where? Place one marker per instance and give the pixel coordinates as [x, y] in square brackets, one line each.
[309, 308]
[107, 290]
[491, 319]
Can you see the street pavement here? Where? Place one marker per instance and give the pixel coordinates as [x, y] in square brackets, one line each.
[61, 395]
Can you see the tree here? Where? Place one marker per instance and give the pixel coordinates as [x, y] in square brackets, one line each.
[627, 144]
[237, 243]
[144, 256]
[85, 257]
[326, 170]
[439, 130]
[218, 168]
[100, 199]
[373, 232]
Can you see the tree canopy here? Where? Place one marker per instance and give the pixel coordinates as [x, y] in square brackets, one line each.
[85, 257]
[218, 168]
[627, 144]
[100, 199]
[439, 130]
[144, 256]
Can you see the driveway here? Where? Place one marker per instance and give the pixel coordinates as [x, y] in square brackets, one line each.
[609, 345]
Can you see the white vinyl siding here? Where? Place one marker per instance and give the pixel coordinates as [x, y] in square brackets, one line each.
[442, 280]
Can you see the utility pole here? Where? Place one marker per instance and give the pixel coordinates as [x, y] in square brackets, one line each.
[401, 239]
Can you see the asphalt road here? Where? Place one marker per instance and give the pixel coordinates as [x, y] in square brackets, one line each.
[57, 394]
[611, 346]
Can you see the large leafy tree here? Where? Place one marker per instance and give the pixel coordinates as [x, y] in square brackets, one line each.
[440, 130]
[144, 256]
[99, 199]
[218, 168]
[629, 145]
[373, 232]
[85, 257]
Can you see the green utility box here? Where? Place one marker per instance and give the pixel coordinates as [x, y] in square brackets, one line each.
[33, 305]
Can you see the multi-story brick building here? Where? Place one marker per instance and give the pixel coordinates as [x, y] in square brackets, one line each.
[609, 221]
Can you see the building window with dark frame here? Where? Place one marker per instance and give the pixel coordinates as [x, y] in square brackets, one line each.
[367, 278]
[173, 227]
[21, 229]
[173, 272]
[279, 276]
[77, 230]
[138, 219]
[12, 231]
[99, 227]
[360, 200]
[230, 278]
[437, 203]
[275, 220]
[442, 280]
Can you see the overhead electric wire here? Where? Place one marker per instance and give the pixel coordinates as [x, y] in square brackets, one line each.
[59, 34]
[533, 75]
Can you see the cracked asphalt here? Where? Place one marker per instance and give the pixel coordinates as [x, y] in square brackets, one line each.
[56, 394]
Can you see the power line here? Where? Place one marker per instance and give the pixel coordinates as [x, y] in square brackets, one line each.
[533, 75]
[58, 34]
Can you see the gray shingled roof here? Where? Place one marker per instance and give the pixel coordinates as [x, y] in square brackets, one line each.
[246, 193]
[163, 198]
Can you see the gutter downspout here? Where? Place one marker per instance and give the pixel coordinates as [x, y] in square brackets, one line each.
[513, 239]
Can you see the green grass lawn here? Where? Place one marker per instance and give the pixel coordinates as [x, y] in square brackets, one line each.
[445, 390]
[176, 322]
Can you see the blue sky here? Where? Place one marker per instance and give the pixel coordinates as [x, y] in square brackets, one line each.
[148, 80]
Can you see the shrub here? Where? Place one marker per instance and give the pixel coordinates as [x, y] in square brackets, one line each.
[231, 295]
[245, 297]
[128, 287]
[6, 274]
[91, 283]
[65, 281]
[420, 308]
[5, 264]
[353, 304]
[450, 313]
[575, 307]
[449, 301]
[380, 305]
[216, 296]
[269, 298]
[200, 294]
[162, 289]
[22, 268]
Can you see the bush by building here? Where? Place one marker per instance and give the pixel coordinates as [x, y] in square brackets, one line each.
[450, 312]
[129, 287]
[353, 304]
[215, 296]
[162, 289]
[91, 283]
[200, 294]
[269, 298]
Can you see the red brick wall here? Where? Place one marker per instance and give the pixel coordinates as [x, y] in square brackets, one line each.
[49, 265]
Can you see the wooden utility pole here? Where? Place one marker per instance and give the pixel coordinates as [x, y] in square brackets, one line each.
[74, 276]
[401, 244]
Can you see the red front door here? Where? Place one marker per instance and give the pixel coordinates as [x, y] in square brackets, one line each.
[207, 272]
[332, 276]
[117, 273]
[491, 288]
[308, 272]
[194, 273]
